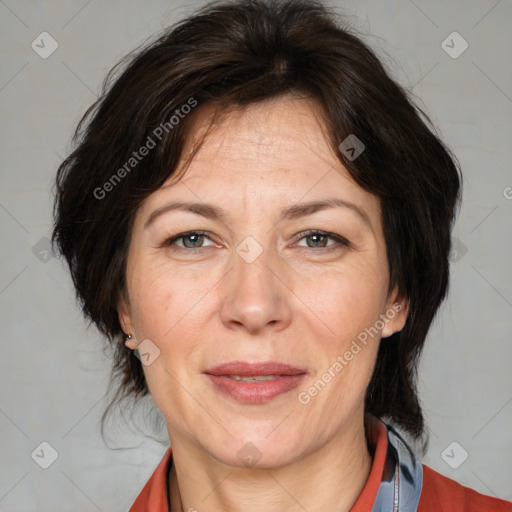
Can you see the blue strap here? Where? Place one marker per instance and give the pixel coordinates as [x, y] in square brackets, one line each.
[402, 478]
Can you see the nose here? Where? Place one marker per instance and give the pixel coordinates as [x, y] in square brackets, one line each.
[256, 295]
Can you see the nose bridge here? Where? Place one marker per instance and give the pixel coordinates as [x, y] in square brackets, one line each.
[255, 297]
[252, 263]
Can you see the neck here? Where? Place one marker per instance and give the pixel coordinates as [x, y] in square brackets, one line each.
[328, 479]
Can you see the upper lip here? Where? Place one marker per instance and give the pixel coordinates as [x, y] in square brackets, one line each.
[245, 369]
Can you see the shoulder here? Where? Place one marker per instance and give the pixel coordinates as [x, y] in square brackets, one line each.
[442, 494]
[154, 495]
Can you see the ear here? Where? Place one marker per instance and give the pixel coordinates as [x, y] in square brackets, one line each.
[125, 319]
[395, 316]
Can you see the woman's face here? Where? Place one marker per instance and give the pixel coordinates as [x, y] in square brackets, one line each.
[252, 293]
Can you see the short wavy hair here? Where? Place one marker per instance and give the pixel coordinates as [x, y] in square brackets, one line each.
[231, 54]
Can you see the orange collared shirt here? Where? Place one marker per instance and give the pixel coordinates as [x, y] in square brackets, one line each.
[438, 494]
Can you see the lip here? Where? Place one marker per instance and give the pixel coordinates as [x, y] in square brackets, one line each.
[289, 377]
[245, 369]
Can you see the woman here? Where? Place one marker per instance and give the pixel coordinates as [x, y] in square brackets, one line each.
[259, 220]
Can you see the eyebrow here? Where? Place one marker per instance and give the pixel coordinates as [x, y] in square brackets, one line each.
[296, 211]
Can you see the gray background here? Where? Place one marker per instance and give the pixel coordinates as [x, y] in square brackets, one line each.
[53, 371]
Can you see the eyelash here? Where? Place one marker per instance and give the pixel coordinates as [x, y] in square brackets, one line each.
[304, 234]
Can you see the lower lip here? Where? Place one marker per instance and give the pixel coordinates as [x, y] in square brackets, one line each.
[256, 392]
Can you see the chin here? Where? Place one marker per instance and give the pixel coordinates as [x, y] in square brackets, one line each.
[257, 448]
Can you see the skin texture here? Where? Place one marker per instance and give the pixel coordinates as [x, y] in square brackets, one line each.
[302, 301]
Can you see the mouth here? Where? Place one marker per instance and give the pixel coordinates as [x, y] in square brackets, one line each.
[255, 383]
[252, 378]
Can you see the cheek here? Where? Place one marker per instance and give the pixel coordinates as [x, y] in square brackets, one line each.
[168, 308]
[346, 309]
[345, 302]
[164, 298]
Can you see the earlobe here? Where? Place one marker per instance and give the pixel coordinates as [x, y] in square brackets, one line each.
[395, 315]
[126, 324]
[130, 342]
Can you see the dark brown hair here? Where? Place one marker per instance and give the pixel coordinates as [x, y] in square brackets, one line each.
[232, 54]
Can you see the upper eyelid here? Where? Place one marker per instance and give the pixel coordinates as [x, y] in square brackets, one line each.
[312, 232]
[300, 236]
[189, 233]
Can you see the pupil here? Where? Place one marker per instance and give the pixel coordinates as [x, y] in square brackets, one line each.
[198, 237]
[316, 236]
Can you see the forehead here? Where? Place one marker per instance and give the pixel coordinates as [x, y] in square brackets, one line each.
[281, 141]
[261, 130]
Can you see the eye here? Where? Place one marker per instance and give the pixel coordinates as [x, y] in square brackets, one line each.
[191, 240]
[319, 239]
